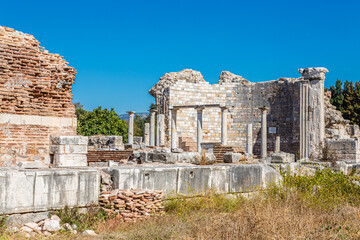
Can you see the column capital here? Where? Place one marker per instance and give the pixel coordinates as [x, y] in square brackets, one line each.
[174, 108]
[313, 73]
[223, 107]
[263, 109]
[130, 112]
[152, 110]
[199, 108]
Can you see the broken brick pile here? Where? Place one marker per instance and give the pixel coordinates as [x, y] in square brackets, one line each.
[132, 205]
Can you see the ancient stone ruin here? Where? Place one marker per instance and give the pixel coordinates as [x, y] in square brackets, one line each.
[198, 139]
[291, 114]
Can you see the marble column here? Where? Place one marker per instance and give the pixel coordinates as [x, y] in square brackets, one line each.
[277, 144]
[131, 128]
[152, 127]
[147, 134]
[199, 132]
[263, 132]
[224, 111]
[314, 110]
[161, 130]
[174, 138]
[249, 139]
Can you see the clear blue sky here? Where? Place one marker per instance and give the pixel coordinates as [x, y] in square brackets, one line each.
[121, 48]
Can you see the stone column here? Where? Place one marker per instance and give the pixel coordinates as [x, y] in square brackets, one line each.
[174, 138]
[152, 127]
[147, 134]
[157, 136]
[199, 132]
[277, 144]
[263, 132]
[160, 138]
[316, 112]
[249, 141]
[224, 111]
[131, 128]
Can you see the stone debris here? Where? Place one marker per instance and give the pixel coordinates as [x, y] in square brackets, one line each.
[282, 157]
[89, 233]
[51, 225]
[43, 228]
[132, 205]
[102, 142]
[32, 165]
[231, 157]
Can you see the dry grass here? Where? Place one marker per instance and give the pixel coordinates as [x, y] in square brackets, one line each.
[257, 218]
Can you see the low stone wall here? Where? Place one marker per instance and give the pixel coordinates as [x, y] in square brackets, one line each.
[25, 191]
[193, 179]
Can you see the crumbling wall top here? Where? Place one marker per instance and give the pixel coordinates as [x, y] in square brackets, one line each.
[171, 78]
[228, 77]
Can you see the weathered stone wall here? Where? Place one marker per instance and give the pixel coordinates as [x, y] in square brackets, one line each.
[178, 179]
[35, 97]
[243, 100]
[23, 191]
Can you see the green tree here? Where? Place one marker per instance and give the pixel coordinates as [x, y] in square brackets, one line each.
[100, 122]
[139, 123]
[337, 96]
[346, 98]
[139, 126]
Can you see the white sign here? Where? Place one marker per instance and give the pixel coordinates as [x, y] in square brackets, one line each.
[272, 129]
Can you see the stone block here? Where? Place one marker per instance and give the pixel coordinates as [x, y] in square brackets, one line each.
[282, 157]
[138, 140]
[66, 140]
[245, 177]
[32, 164]
[106, 142]
[68, 149]
[188, 157]
[162, 157]
[164, 178]
[219, 179]
[70, 160]
[193, 180]
[207, 158]
[231, 157]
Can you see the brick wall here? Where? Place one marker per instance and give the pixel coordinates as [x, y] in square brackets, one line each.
[107, 155]
[35, 97]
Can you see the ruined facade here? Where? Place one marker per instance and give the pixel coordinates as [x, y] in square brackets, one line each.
[296, 109]
[35, 96]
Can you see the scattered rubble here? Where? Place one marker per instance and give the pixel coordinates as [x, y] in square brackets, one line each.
[45, 228]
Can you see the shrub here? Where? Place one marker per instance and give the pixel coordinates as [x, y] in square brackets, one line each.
[325, 189]
[83, 221]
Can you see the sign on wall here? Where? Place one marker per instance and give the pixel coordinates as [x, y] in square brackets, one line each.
[272, 129]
